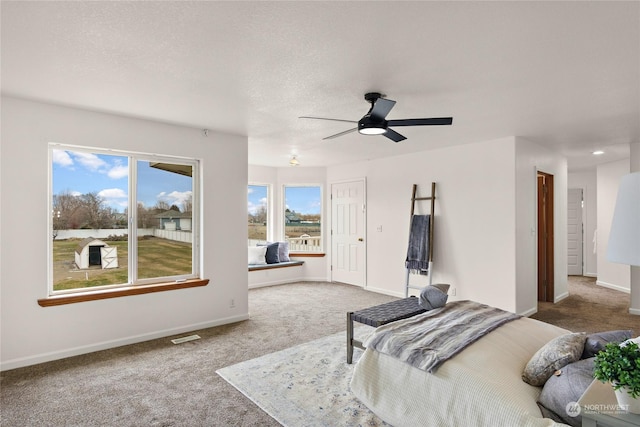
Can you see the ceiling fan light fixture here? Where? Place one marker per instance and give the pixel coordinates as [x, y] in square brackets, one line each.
[368, 126]
[372, 130]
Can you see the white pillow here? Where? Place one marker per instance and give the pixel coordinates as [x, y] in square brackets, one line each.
[257, 255]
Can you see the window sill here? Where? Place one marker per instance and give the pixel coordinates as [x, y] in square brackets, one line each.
[307, 254]
[120, 292]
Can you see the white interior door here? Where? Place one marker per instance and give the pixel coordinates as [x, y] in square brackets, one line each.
[574, 232]
[348, 232]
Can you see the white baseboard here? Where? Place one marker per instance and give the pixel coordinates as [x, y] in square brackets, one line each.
[276, 282]
[529, 312]
[560, 297]
[590, 274]
[635, 311]
[384, 292]
[55, 355]
[285, 281]
[612, 286]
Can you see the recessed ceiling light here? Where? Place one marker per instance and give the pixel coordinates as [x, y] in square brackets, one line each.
[597, 152]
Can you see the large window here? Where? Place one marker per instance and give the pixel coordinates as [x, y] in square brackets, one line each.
[121, 219]
[303, 218]
[258, 213]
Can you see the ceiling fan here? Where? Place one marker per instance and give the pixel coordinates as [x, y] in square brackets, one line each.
[375, 122]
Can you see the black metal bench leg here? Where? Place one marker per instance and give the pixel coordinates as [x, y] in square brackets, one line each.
[349, 337]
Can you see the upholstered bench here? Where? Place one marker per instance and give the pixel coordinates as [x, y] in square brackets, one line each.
[380, 315]
[253, 267]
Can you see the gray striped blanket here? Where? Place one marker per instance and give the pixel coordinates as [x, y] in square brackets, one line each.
[429, 339]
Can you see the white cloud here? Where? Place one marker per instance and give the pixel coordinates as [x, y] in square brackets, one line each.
[113, 193]
[62, 158]
[252, 208]
[89, 161]
[118, 172]
[175, 197]
[114, 197]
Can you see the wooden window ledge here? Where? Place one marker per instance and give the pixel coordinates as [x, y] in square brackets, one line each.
[120, 292]
[307, 254]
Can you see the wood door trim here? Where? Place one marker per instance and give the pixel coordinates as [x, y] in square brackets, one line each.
[548, 250]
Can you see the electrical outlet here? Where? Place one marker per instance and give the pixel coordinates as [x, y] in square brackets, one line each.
[453, 292]
[232, 303]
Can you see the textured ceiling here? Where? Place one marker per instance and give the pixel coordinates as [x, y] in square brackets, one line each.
[563, 74]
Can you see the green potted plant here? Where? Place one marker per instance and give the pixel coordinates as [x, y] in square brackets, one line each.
[619, 364]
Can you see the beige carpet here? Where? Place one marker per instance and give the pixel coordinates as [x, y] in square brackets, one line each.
[590, 308]
[157, 383]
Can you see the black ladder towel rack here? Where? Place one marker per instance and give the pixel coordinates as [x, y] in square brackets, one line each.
[415, 199]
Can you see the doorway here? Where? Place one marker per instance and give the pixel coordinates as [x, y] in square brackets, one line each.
[545, 237]
[348, 226]
[575, 234]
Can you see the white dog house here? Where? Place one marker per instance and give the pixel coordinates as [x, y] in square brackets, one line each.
[90, 252]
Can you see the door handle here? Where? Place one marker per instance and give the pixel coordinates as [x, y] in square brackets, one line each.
[360, 239]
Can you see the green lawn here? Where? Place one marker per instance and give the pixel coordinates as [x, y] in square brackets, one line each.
[157, 258]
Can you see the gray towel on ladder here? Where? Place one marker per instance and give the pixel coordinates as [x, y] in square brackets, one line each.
[418, 253]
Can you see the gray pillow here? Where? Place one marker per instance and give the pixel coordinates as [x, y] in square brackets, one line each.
[283, 251]
[568, 386]
[272, 252]
[433, 296]
[596, 342]
[554, 355]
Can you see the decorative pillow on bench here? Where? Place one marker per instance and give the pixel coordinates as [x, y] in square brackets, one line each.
[257, 255]
[276, 250]
[271, 256]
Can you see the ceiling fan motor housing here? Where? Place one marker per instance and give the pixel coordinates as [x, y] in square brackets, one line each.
[369, 126]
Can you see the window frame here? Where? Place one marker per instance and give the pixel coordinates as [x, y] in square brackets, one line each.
[134, 285]
[320, 251]
[270, 225]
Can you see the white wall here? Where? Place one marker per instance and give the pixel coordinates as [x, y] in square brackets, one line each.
[587, 181]
[634, 306]
[33, 334]
[611, 275]
[474, 235]
[531, 158]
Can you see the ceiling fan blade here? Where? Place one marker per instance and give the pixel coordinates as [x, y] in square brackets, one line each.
[394, 136]
[340, 134]
[421, 122]
[324, 118]
[381, 108]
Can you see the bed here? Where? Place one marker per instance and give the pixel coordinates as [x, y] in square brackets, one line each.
[479, 386]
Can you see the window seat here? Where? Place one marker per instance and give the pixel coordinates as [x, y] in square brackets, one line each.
[253, 267]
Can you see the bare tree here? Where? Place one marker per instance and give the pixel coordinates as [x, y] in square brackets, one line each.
[96, 214]
[161, 206]
[145, 216]
[260, 216]
[187, 205]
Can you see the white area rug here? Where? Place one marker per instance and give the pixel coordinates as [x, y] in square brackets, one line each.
[306, 385]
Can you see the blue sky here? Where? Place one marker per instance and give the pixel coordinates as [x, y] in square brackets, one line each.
[82, 172]
[304, 200]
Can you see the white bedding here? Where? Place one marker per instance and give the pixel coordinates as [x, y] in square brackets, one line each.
[481, 386]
